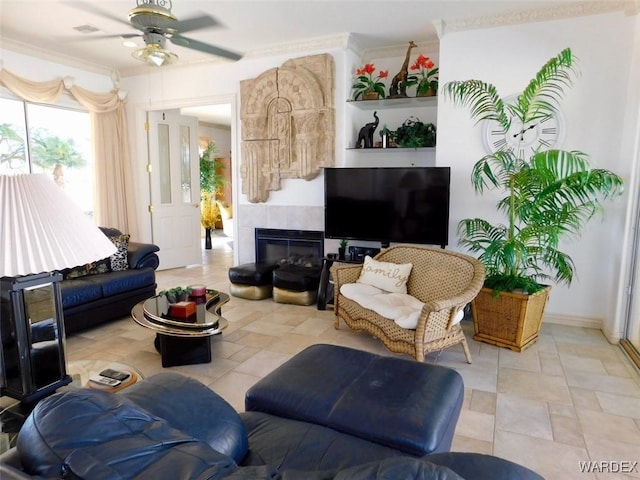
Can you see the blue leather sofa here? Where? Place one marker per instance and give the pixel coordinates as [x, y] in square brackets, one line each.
[90, 300]
[172, 427]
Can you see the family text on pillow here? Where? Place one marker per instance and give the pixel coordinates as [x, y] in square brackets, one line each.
[391, 277]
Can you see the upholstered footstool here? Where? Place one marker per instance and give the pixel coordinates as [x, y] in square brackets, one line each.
[296, 284]
[399, 406]
[252, 280]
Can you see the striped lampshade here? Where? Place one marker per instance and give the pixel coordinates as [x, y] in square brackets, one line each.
[43, 230]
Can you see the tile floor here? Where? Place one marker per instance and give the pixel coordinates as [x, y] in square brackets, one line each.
[570, 398]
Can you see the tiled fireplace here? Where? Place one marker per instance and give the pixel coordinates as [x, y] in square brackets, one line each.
[274, 245]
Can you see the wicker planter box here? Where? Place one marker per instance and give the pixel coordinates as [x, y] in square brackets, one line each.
[511, 320]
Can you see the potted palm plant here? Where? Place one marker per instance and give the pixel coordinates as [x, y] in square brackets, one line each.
[211, 183]
[548, 197]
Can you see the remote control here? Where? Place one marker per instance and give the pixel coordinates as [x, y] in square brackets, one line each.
[108, 382]
[115, 374]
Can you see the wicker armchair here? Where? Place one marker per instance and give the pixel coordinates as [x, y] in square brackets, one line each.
[444, 280]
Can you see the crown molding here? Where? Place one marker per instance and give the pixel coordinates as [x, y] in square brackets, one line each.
[558, 12]
[38, 52]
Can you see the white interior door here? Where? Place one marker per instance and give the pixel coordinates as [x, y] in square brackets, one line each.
[175, 188]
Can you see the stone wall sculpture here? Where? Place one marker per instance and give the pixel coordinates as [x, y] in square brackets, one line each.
[288, 124]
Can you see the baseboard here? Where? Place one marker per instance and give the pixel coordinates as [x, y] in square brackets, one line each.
[573, 321]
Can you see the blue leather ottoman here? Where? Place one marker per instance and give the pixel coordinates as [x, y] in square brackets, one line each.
[398, 406]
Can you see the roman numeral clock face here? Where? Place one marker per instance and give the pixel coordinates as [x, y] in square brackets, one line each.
[525, 140]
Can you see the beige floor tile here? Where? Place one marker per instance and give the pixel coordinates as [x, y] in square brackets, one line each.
[578, 363]
[535, 386]
[292, 343]
[476, 425]
[561, 409]
[524, 416]
[466, 444]
[552, 460]
[527, 360]
[619, 404]
[566, 430]
[484, 402]
[615, 455]
[606, 426]
[474, 377]
[266, 327]
[602, 383]
[233, 386]
[262, 363]
[585, 399]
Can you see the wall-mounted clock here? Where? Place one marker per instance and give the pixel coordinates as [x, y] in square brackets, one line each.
[525, 140]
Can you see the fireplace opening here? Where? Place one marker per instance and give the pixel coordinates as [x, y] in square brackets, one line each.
[289, 246]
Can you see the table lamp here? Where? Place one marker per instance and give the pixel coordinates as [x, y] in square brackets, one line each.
[42, 231]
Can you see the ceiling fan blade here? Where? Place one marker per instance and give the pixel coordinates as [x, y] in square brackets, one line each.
[90, 8]
[204, 47]
[194, 23]
[91, 37]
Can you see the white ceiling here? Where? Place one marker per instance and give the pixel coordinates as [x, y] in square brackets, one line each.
[46, 27]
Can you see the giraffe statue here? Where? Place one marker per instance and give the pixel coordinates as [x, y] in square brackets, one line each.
[398, 86]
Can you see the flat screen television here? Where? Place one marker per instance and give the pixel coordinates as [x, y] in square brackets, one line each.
[389, 205]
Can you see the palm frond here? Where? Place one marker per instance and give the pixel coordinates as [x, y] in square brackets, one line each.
[481, 98]
[543, 93]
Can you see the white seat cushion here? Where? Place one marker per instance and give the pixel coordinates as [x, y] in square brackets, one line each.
[402, 308]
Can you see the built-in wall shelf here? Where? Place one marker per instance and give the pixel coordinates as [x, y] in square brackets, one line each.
[402, 102]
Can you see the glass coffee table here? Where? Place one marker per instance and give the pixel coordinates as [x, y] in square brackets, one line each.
[183, 330]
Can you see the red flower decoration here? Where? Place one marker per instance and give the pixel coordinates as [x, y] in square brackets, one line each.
[366, 83]
[427, 76]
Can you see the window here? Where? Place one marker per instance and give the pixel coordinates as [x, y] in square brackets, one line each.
[48, 139]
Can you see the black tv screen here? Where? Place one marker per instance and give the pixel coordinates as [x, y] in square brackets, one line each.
[389, 205]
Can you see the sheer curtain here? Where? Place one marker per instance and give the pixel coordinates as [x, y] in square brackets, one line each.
[112, 188]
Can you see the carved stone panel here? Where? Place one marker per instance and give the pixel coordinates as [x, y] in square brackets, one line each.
[288, 124]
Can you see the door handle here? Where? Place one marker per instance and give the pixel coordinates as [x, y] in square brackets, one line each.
[196, 205]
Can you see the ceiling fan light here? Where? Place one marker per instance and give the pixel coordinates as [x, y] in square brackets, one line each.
[154, 55]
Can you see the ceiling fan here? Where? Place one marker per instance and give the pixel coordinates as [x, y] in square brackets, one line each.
[158, 24]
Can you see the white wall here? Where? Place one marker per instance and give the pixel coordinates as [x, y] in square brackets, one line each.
[595, 110]
[207, 83]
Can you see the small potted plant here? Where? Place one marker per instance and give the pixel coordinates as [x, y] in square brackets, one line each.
[367, 87]
[176, 294]
[342, 249]
[426, 77]
[415, 134]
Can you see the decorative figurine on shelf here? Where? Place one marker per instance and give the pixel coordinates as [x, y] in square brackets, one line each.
[399, 83]
[366, 133]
